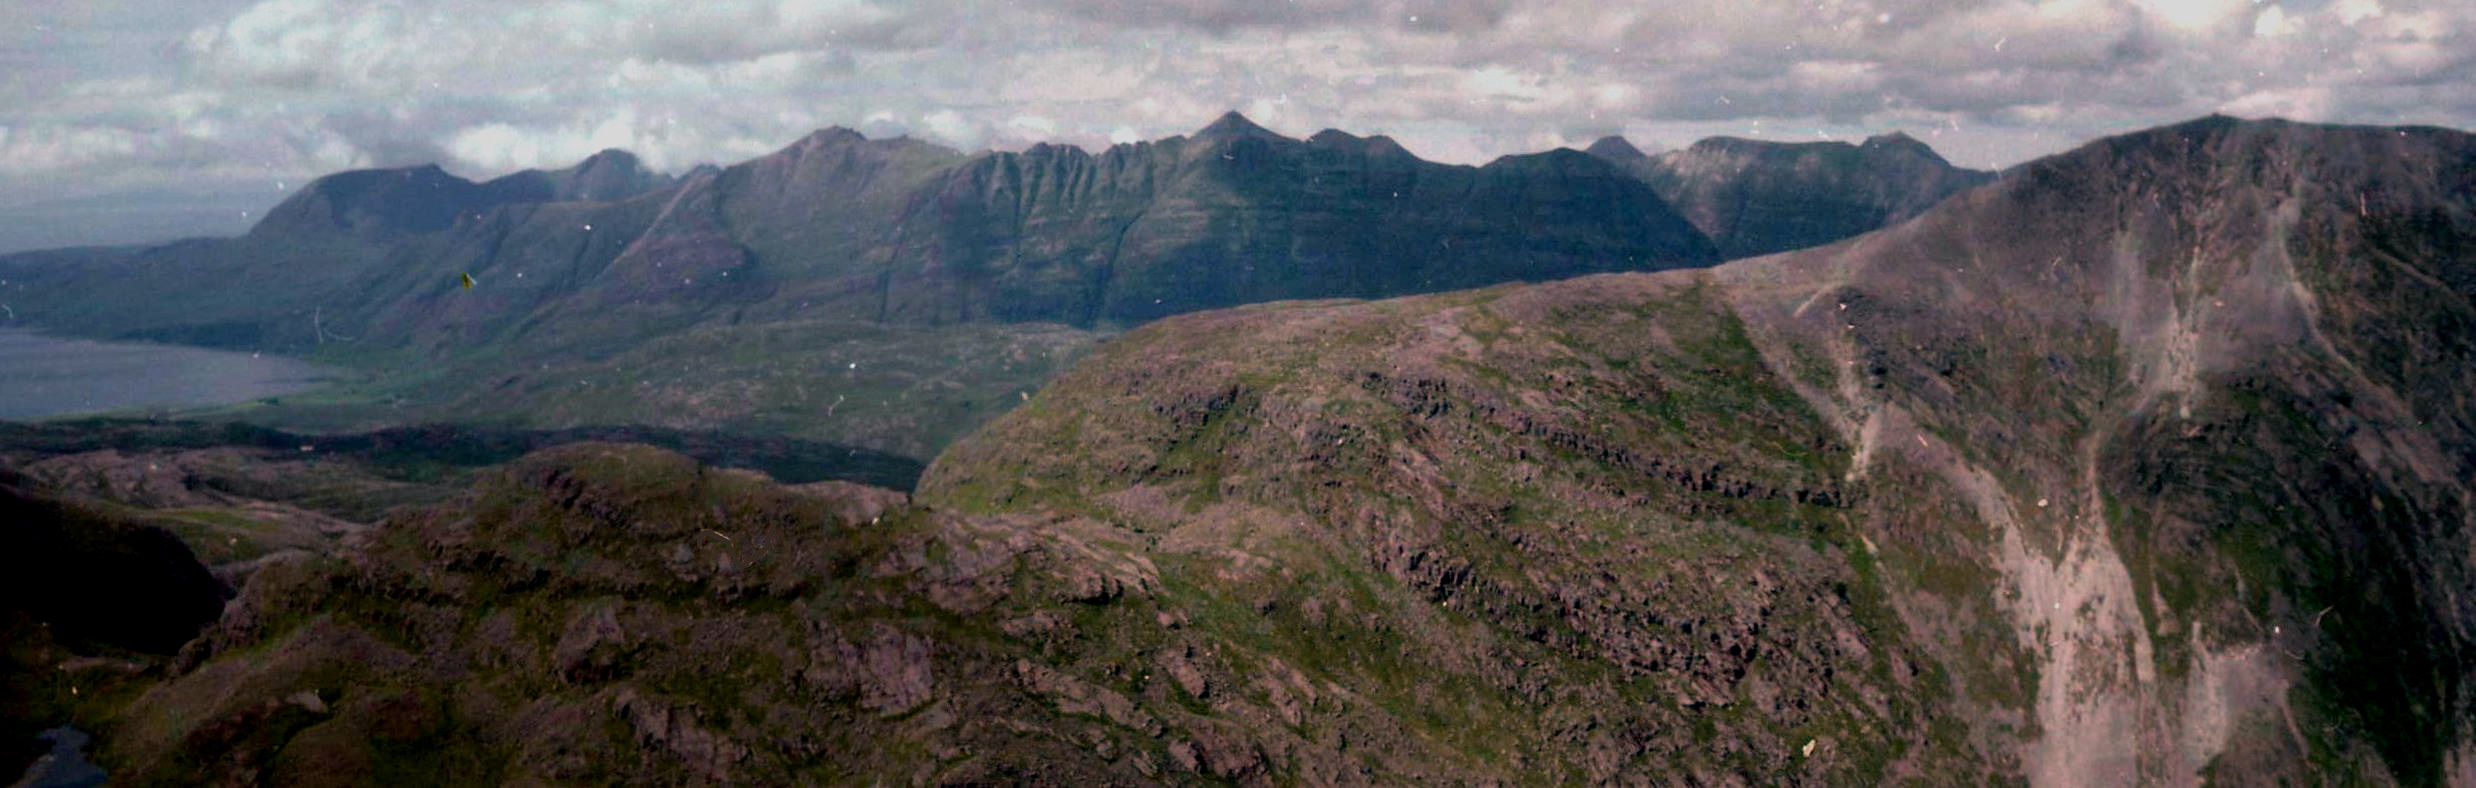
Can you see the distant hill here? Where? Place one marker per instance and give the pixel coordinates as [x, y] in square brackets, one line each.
[2149, 463]
[889, 231]
[897, 241]
[1756, 197]
[893, 293]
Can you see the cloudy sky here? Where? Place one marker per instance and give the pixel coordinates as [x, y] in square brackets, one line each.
[132, 120]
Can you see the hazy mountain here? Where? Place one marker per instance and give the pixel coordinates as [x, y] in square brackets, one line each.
[898, 241]
[612, 174]
[2148, 463]
[901, 231]
[1756, 197]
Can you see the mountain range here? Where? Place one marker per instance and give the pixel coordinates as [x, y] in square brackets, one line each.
[2147, 462]
[1757, 197]
[882, 247]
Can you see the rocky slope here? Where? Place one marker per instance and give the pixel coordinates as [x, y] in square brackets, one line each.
[901, 232]
[889, 251]
[895, 231]
[1757, 197]
[2146, 464]
[2201, 390]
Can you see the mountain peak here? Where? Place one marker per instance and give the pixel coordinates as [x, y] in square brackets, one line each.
[609, 156]
[1333, 137]
[1232, 124]
[832, 135]
[419, 198]
[1894, 139]
[1901, 142]
[1615, 148]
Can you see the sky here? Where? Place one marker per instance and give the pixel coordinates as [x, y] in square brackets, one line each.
[126, 121]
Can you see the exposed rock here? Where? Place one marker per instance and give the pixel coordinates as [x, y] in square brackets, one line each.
[1772, 523]
[595, 647]
[1076, 696]
[664, 725]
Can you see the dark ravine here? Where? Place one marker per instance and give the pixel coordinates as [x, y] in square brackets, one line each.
[2147, 463]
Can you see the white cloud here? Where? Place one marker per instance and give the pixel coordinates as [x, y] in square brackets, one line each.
[949, 127]
[44, 148]
[292, 88]
[2350, 12]
[2196, 16]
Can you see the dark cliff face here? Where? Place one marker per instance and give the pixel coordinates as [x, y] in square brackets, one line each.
[1756, 197]
[1236, 214]
[2141, 454]
[900, 231]
[2146, 464]
[97, 581]
[2203, 368]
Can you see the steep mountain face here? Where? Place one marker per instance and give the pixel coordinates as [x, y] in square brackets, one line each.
[901, 232]
[611, 174]
[1756, 197]
[881, 247]
[1236, 214]
[2201, 392]
[310, 259]
[898, 231]
[2148, 463]
[388, 202]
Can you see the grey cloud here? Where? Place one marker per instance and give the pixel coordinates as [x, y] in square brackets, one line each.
[124, 95]
[1426, 16]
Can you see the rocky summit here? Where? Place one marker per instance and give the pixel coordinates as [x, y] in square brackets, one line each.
[2148, 463]
[890, 231]
[892, 293]
[1758, 197]
[945, 286]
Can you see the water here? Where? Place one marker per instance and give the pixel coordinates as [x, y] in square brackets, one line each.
[65, 766]
[42, 376]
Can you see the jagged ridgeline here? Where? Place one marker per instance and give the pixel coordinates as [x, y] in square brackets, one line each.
[1757, 197]
[2149, 462]
[890, 231]
[893, 293]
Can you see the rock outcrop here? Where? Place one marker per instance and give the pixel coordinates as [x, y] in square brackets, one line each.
[2148, 463]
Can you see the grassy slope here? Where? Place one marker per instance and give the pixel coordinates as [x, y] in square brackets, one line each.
[904, 390]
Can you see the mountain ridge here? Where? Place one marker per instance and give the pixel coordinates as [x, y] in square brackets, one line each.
[2147, 463]
[1755, 197]
[577, 267]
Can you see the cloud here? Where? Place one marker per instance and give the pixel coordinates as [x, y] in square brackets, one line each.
[122, 94]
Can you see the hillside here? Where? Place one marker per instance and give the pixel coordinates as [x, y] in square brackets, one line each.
[838, 226]
[2147, 463]
[2150, 460]
[1758, 197]
[889, 252]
